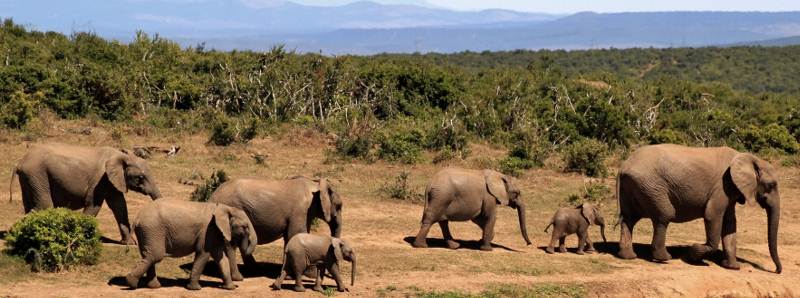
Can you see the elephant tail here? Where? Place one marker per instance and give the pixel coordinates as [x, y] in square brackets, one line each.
[10, 184]
[548, 227]
[619, 205]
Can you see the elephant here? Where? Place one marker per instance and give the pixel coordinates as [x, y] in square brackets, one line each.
[306, 251]
[456, 194]
[177, 228]
[281, 208]
[571, 220]
[672, 183]
[75, 177]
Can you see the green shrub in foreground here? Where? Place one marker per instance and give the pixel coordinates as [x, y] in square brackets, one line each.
[587, 157]
[55, 239]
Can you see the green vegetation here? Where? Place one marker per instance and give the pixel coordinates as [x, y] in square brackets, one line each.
[396, 107]
[204, 191]
[400, 189]
[507, 290]
[55, 239]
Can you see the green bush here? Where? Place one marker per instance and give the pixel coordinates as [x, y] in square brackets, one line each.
[528, 151]
[19, 110]
[404, 147]
[354, 146]
[587, 157]
[204, 191]
[400, 189]
[55, 239]
[223, 133]
[593, 193]
[773, 136]
[666, 136]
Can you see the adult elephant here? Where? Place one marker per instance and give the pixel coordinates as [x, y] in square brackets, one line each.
[671, 183]
[281, 208]
[456, 194]
[77, 177]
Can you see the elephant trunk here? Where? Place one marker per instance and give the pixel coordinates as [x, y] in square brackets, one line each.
[252, 241]
[773, 217]
[336, 227]
[353, 270]
[523, 227]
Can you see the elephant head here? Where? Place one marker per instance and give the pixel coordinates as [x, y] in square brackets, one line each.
[506, 192]
[593, 216]
[236, 228]
[756, 181]
[331, 204]
[127, 171]
[344, 252]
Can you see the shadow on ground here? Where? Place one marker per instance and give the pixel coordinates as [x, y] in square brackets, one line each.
[464, 244]
[120, 281]
[260, 269]
[682, 252]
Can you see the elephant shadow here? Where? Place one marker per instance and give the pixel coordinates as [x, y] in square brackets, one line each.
[463, 244]
[166, 282]
[260, 269]
[682, 252]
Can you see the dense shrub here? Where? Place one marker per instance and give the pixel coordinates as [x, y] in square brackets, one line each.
[204, 191]
[223, 133]
[399, 188]
[405, 147]
[666, 136]
[594, 193]
[55, 239]
[19, 110]
[772, 136]
[587, 157]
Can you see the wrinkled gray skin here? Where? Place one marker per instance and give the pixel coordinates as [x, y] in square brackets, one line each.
[672, 183]
[572, 220]
[319, 252]
[76, 177]
[456, 194]
[281, 208]
[177, 228]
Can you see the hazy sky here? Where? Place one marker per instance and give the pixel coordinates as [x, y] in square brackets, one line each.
[571, 6]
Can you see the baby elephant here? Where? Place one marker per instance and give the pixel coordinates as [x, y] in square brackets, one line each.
[177, 228]
[571, 220]
[323, 252]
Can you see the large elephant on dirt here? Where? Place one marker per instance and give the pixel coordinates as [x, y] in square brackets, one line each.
[456, 194]
[671, 183]
[77, 177]
[281, 208]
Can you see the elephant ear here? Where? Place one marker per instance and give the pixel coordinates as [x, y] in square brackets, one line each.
[222, 218]
[336, 245]
[325, 198]
[744, 176]
[588, 212]
[496, 185]
[115, 170]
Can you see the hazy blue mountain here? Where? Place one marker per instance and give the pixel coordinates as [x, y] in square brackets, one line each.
[368, 27]
[777, 42]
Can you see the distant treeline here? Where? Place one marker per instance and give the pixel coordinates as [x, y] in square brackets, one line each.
[386, 106]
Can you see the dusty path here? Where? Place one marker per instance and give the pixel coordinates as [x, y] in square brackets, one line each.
[379, 227]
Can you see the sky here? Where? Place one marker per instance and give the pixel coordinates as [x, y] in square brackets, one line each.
[572, 6]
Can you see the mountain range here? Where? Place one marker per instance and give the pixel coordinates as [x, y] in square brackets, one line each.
[369, 28]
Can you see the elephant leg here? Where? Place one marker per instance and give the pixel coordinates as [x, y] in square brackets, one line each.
[487, 225]
[200, 260]
[626, 237]
[659, 245]
[553, 238]
[119, 208]
[152, 278]
[448, 238]
[581, 242]
[144, 265]
[35, 192]
[279, 281]
[713, 229]
[224, 267]
[318, 280]
[230, 252]
[298, 269]
[92, 210]
[729, 239]
[589, 243]
[421, 239]
[334, 269]
[562, 247]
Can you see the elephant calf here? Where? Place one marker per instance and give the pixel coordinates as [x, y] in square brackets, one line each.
[323, 252]
[569, 220]
[177, 228]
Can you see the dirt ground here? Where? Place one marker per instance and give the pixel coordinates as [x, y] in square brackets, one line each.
[380, 227]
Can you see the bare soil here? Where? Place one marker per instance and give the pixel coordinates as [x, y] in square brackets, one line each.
[380, 229]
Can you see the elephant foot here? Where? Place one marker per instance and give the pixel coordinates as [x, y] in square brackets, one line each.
[451, 244]
[237, 276]
[661, 255]
[193, 285]
[562, 249]
[127, 241]
[580, 252]
[275, 286]
[697, 252]
[318, 288]
[154, 283]
[299, 288]
[550, 250]
[133, 281]
[229, 286]
[486, 247]
[419, 244]
[626, 254]
[342, 289]
[728, 264]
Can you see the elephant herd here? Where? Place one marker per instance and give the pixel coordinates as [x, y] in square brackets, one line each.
[664, 183]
